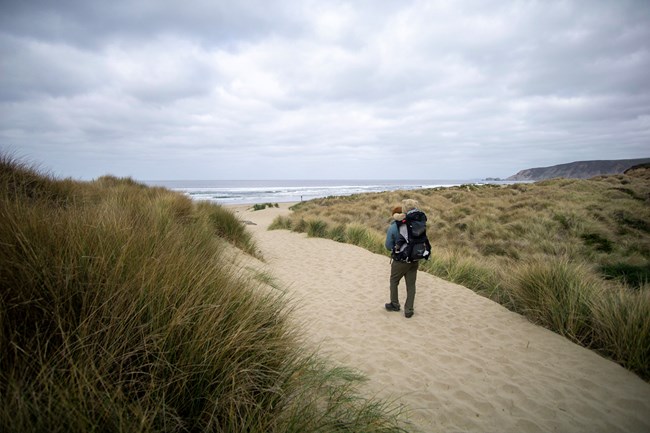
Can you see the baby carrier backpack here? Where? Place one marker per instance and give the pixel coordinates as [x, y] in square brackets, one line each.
[412, 243]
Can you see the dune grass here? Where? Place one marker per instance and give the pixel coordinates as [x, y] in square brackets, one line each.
[557, 294]
[121, 312]
[262, 206]
[572, 255]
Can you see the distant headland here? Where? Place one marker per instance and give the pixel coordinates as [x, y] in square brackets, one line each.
[579, 169]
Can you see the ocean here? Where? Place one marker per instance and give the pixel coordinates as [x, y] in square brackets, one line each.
[279, 191]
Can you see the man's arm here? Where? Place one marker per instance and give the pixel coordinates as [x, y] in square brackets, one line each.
[391, 235]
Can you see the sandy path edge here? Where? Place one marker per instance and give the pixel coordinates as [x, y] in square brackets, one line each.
[463, 362]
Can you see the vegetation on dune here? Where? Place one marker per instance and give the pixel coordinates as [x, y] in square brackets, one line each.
[120, 312]
[572, 255]
[262, 206]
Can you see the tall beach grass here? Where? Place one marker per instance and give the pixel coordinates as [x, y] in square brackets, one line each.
[121, 312]
[572, 255]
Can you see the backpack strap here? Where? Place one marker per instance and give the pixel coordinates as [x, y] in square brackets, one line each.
[400, 251]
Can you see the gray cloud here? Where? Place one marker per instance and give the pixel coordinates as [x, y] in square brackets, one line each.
[93, 24]
[204, 89]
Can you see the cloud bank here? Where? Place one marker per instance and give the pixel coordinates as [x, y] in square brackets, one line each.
[288, 89]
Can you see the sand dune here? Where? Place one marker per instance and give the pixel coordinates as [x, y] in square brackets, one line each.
[462, 362]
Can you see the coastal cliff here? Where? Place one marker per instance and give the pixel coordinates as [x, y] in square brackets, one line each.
[578, 169]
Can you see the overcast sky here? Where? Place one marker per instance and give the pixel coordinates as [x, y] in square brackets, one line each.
[376, 89]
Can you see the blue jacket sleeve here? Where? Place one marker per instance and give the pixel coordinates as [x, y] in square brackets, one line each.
[391, 236]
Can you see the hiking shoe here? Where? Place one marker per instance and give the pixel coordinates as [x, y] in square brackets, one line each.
[408, 314]
[391, 307]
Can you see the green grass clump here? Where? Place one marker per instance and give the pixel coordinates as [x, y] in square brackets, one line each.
[337, 233]
[281, 222]
[560, 251]
[365, 238]
[121, 311]
[636, 276]
[316, 228]
[598, 242]
[557, 294]
[226, 225]
[622, 329]
[262, 206]
[465, 271]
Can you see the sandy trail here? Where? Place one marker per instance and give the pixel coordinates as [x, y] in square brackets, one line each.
[462, 362]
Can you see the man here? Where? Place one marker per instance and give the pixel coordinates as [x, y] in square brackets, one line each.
[395, 236]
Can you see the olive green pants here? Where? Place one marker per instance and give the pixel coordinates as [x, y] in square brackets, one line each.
[410, 272]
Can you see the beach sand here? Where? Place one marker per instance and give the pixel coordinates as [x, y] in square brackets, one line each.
[462, 363]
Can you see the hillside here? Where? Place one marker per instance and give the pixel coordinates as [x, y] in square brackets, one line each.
[578, 169]
[570, 254]
[121, 311]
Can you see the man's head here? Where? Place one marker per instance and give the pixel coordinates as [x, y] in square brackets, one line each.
[409, 204]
